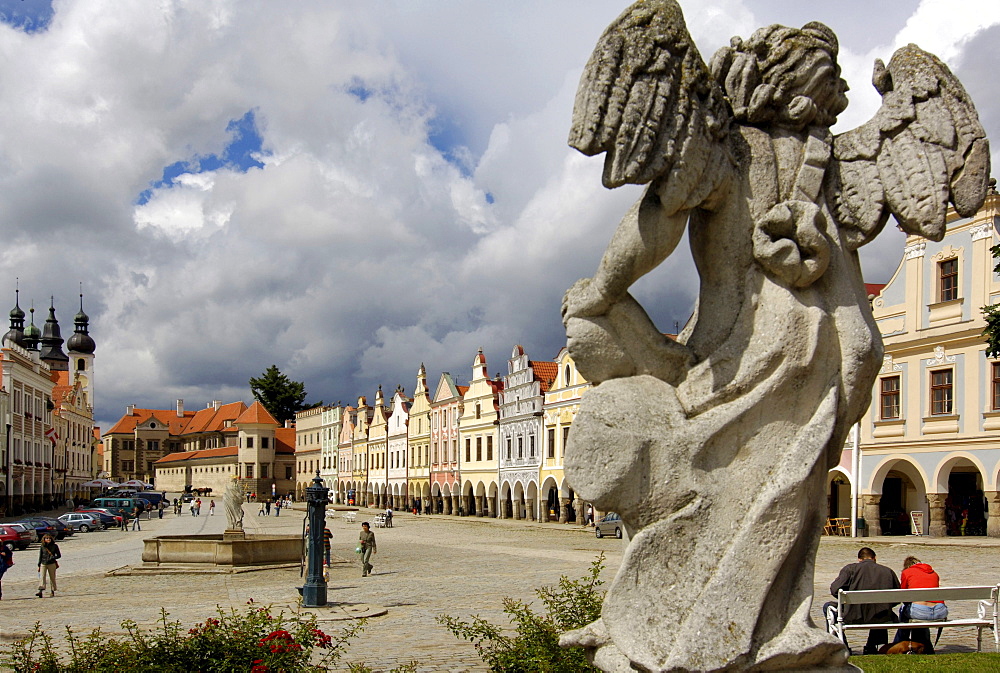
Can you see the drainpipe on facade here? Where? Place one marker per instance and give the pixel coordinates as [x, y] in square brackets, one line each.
[855, 475]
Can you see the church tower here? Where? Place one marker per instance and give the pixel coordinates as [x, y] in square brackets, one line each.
[16, 333]
[51, 351]
[81, 348]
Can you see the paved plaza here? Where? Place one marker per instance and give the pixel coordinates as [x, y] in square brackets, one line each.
[425, 566]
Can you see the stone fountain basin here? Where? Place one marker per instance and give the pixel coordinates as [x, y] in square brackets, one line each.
[223, 550]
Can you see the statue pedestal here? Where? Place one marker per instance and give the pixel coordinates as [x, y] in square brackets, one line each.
[234, 534]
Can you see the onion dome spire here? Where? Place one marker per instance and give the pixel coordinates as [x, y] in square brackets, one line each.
[81, 341]
[52, 341]
[16, 333]
[32, 334]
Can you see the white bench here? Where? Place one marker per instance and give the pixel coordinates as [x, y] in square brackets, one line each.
[380, 520]
[987, 609]
[349, 516]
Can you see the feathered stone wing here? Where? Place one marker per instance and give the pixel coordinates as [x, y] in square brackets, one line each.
[648, 100]
[924, 148]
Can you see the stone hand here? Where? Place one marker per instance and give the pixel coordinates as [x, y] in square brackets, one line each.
[583, 300]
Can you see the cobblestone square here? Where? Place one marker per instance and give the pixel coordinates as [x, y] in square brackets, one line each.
[425, 566]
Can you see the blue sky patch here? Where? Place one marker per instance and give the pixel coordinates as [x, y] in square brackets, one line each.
[31, 17]
[240, 154]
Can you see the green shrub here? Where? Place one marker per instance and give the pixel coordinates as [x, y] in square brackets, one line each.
[256, 641]
[535, 647]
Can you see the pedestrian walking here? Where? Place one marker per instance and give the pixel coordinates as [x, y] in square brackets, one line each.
[260, 512]
[277, 507]
[327, 539]
[211, 508]
[163, 506]
[367, 547]
[48, 561]
[6, 561]
[135, 518]
[197, 507]
[267, 507]
[124, 518]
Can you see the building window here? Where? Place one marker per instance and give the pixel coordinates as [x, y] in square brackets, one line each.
[249, 470]
[489, 448]
[996, 386]
[948, 273]
[520, 448]
[890, 397]
[479, 448]
[941, 392]
[531, 446]
[263, 471]
[565, 438]
[566, 375]
[552, 443]
[263, 442]
[508, 448]
[288, 472]
[478, 410]
[249, 444]
[468, 450]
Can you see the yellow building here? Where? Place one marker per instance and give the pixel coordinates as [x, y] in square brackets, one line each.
[479, 462]
[359, 453]
[308, 448]
[930, 446]
[418, 440]
[562, 401]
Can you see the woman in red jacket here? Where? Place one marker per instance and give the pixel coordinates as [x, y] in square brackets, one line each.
[917, 575]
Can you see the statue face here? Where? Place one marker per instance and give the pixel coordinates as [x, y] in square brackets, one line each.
[819, 80]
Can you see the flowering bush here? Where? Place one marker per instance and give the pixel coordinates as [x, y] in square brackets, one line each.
[255, 640]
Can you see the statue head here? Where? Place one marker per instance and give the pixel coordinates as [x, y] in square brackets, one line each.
[783, 76]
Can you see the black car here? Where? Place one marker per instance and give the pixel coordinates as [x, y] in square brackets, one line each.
[56, 527]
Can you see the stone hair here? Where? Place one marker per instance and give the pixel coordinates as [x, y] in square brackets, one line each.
[761, 75]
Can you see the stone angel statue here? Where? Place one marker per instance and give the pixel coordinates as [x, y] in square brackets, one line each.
[714, 448]
[232, 500]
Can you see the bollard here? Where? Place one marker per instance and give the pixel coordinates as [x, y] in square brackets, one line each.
[314, 590]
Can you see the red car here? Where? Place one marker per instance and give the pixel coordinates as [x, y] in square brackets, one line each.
[19, 539]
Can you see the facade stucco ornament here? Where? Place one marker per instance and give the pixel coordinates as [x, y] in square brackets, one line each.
[779, 359]
[981, 231]
[948, 252]
[940, 358]
[888, 366]
[915, 251]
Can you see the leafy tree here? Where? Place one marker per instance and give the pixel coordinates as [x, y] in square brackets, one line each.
[992, 315]
[279, 394]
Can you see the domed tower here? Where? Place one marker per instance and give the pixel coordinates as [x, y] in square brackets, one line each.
[81, 348]
[52, 341]
[16, 333]
[32, 335]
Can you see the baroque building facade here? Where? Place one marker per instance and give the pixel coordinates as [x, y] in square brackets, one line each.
[397, 465]
[418, 438]
[929, 454]
[478, 427]
[445, 467]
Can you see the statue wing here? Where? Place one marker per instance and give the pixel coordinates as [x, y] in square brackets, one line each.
[924, 148]
[647, 98]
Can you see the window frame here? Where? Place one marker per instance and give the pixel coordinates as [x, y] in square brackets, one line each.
[947, 391]
[948, 279]
[888, 395]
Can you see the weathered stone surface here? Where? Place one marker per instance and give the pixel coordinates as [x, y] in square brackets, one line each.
[714, 448]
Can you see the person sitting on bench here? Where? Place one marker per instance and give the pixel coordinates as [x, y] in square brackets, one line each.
[866, 574]
[917, 575]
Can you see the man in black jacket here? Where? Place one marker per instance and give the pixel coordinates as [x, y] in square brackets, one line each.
[866, 574]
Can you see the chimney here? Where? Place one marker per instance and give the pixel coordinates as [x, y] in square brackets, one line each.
[288, 424]
[216, 404]
[130, 409]
[180, 408]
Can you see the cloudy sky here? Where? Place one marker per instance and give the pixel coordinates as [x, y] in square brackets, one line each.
[347, 189]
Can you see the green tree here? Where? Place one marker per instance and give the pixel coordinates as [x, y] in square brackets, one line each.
[992, 315]
[279, 394]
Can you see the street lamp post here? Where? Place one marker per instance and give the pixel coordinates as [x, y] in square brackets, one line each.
[314, 590]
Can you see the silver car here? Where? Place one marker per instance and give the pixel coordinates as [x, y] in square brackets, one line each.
[610, 524]
[81, 521]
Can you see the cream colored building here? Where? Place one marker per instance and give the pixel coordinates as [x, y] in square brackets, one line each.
[478, 442]
[418, 431]
[562, 401]
[930, 442]
[308, 448]
[378, 431]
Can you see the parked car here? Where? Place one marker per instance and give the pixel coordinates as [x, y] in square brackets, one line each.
[610, 524]
[32, 534]
[107, 517]
[19, 538]
[187, 497]
[82, 521]
[41, 527]
[56, 527]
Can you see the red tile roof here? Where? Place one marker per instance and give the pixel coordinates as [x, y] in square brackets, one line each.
[545, 372]
[284, 440]
[257, 414]
[874, 289]
[127, 423]
[203, 453]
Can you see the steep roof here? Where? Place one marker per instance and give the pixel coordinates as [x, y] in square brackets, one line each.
[258, 415]
[545, 372]
[168, 417]
[284, 440]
